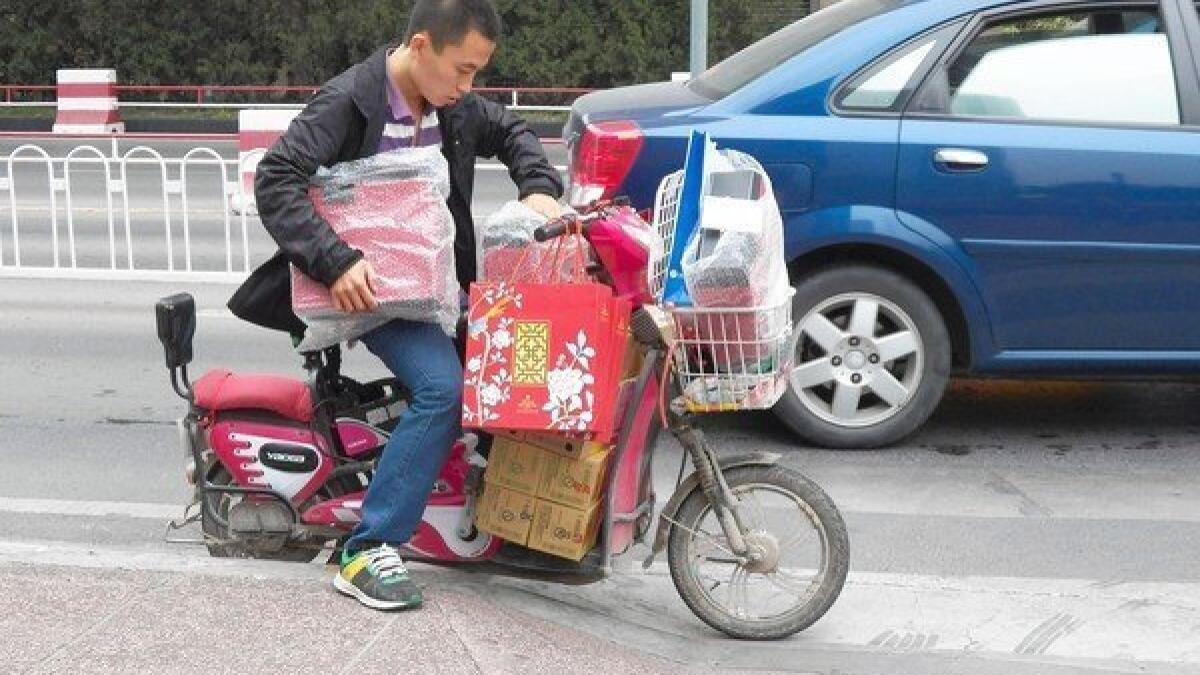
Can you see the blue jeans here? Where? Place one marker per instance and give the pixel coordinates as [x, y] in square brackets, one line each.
[424, 359]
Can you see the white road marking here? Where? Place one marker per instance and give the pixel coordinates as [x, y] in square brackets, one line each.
[63, 507]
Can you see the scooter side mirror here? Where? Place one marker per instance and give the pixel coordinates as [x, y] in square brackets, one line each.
[176, 318]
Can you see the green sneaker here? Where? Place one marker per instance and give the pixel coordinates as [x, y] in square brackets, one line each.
[378, 579]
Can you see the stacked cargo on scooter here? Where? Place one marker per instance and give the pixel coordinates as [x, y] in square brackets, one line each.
[544, 492]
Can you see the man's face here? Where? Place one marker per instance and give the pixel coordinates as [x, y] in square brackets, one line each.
[443, 78]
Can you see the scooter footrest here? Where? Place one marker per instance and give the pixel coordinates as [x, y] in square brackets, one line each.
[515, 555]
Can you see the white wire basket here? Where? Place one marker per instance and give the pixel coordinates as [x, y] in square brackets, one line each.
[666, 214]
[725, 358]
[733, 358]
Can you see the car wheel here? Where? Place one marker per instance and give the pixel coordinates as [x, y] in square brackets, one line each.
[872, 358]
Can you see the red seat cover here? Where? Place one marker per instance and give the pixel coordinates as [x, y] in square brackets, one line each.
[221, 389]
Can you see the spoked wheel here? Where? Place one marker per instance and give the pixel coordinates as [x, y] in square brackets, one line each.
[221, 545]
[801, 557]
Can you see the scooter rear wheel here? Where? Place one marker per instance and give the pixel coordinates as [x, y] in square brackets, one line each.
[221, 545]
[802, 550]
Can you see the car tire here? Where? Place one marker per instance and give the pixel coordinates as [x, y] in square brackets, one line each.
[872, 358]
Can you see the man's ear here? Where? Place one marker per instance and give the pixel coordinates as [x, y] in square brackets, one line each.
[419, 43]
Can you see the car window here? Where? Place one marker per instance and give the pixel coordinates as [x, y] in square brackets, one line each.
[743, 67]
[1102, 66]
[884, 84]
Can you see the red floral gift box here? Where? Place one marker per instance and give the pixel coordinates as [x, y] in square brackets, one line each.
[544, 357]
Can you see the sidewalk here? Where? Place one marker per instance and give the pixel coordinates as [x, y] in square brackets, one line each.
[253, 617]
[78, 608]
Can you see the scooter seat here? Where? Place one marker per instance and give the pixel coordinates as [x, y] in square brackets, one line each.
[221, 389]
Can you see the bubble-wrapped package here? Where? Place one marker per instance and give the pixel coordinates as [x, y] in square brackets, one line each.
[506, 251]
[735, 259]
[392, 207]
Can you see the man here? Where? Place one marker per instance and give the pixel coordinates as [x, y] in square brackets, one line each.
[414, 94]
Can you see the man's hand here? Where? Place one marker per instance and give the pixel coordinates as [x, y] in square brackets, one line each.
[354, 291]
[543, 204]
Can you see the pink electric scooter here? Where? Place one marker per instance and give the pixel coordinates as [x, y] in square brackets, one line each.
[280, 467]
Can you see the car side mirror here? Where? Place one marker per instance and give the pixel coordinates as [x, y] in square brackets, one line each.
[176, 318]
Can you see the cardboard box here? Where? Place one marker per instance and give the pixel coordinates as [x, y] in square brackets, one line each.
[537, 498]
[577, 483]
[573, 448]
[563, 531]
[508, 514]
[515, 464]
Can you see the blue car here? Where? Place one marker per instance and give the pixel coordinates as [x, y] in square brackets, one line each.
[967, 186]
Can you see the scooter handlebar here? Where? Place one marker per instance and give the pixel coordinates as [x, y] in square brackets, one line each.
[563, 224]
[554, 228]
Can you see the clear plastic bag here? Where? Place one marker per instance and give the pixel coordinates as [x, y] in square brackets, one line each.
[392, 207]
[735, 259]
[506, 251]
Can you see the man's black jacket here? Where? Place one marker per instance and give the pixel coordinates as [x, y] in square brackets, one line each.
[344, 121]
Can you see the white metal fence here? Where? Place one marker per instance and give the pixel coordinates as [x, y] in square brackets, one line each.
[145, 217]
[513, 102]
[50, 209]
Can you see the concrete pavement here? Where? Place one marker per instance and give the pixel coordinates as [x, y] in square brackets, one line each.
[73, 609]
[253, 617]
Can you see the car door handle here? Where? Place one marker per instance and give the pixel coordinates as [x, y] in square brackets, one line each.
[960, 159]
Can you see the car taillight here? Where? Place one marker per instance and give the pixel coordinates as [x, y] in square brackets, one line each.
[602, 159]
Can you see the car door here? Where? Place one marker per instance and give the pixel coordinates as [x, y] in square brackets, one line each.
[1057, 145]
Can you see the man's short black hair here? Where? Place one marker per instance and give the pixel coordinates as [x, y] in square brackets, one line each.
[448, 21]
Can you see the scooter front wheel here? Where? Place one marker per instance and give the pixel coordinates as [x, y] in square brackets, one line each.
[801, 553]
